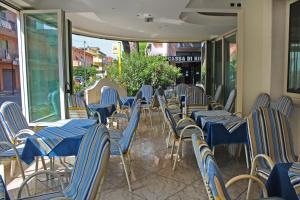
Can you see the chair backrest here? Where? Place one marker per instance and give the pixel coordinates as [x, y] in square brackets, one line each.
[90, 165]
[285, 105]
[210, 172]
[195, 96]
[171, 122]
[129, 131]
[3, 135]
[269, 133]
[180, 89]
[230, 101]
[77, 107]
[263, 100]
[147, 92]
[109, 96]
[13, 118]
[218, 93]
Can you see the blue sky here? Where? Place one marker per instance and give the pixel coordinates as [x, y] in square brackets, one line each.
[104, 45]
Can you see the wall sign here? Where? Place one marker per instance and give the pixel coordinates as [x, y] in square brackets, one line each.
[182, 59]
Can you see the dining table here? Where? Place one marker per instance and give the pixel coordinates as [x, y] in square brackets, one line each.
[61, 140]
[284, 181]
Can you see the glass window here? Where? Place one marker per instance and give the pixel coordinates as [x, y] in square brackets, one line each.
[9, 57]
[230, 58]
[217, 66]
[294, 49]
[41, 40]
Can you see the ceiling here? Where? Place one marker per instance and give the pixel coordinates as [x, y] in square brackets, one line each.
[173, 20]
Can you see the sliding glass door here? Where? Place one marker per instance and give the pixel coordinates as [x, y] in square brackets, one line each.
[44, 60]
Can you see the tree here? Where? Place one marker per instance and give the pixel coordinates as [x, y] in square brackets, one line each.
[138, 69]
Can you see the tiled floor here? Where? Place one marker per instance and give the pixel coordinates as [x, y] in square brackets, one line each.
[152, 176]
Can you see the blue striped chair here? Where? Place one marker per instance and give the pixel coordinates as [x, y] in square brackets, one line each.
[16, 126]
[262, 100]
[147, 92]
[229, 103]
[211, 174]
[181, 131]
[122, 142]
[9, 151]
[195, 100]
[15, 123]
[78, 109]
[125, 112]
[180, 89]
[109, 96]
[270, 141]
[174, 109]
[147, 101]
[89, 170]
[217, 96]
[284, 104]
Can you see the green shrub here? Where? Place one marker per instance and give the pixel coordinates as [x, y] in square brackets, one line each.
[138, 69]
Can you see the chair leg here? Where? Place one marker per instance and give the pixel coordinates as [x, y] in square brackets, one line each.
[2, 172]
[246, 155]
[172, 149]
[150, 115]
[12, 168]
[252, 173]
[169, 137]
[126, 173]
[176, 155]
[163, 127]
[43, 163]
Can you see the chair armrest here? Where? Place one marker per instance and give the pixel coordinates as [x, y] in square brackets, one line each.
[186, 119]
[265, 157]
[21, 133]
[52, 173]
[247, 177]
[192, 126]
[218, 107]
[238, 113]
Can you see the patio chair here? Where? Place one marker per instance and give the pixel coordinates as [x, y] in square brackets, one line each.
[284, 104]
[109, 96]
[174, 109]
[125, 112]
[122, 142]
[262, 100]
[229, 103]
[147, 101]
[217, 96]
[9, 151]
[89, 170]
[211, 174]
[16, 126]
[270, 141]
[181, 133]
[195, 100]
[180, 91]
[78, 109]
[147, 92]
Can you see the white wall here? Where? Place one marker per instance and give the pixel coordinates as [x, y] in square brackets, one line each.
[261, 58]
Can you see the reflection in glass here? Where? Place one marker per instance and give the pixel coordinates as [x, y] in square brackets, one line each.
[294, 49]
[230, 58]
[9, 58]
[41, 38]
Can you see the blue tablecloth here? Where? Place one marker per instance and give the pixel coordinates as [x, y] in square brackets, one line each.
[65, 141]
[105, 110]
[217, 133]
[279, 184]
[127, 101]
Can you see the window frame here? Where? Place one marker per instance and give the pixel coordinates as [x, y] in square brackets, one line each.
[294, 96]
